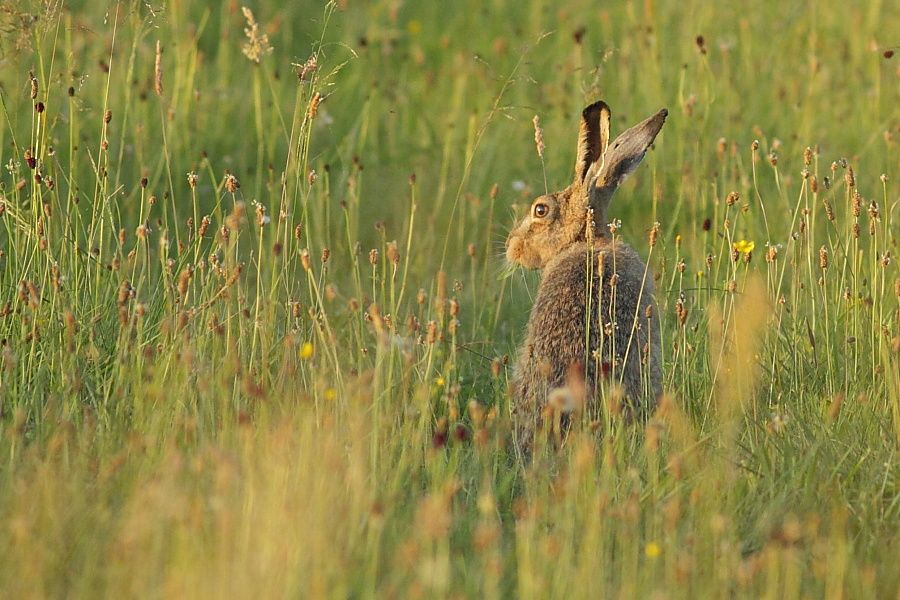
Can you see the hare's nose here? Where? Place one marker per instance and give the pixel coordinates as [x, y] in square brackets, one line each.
[513, 246]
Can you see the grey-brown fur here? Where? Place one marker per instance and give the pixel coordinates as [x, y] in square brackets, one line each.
[568, 239]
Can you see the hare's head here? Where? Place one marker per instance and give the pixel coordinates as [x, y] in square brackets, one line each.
[556, 221]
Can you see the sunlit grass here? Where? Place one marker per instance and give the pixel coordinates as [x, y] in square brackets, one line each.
[257, 330]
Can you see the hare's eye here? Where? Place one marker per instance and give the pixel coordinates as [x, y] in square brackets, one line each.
[541, 210]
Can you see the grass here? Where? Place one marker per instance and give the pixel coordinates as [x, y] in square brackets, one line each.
[255, 341]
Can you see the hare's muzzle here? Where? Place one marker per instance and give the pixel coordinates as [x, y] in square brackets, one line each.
[514, 244]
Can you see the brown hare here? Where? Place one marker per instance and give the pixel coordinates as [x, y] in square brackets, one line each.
[594, 317]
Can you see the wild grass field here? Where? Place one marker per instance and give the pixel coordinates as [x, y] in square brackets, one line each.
[257, 333]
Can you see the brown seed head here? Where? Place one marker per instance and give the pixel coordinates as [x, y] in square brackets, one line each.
[856, 203]
[829, 211]
[823, 258]
[184, 280]
[262, 219]
[393, 254]
[307, 68]
[304, 259]
[314, 103]
[157, 71]
[125, 293]
[850, 177]
[681, 311]
[496, 368]
[654, 233]
[873, 211]
[700, 42]
[231, 183]
[431, 330]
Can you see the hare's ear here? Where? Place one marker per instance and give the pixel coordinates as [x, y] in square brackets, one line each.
[593, 137]
[620, 159]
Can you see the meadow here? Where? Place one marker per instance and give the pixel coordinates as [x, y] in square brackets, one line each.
[257, 331]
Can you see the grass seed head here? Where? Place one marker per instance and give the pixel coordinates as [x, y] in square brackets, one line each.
[307, 68]
[849, 176]
[157, 70]
[856, 203]
[681, 311]
[232, 185]
[204, 226]
[304, 259]
[538, 136]
[654, 233]
[393, 253]
[257, 45]
[314, 103]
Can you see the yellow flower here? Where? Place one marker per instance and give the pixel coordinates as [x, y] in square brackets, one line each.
[744, 246]
[306, 351]
[652, 550]
[699, 274]
[439, 382]
[414, 27]
[330, 394]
